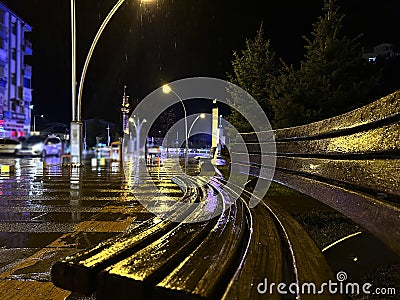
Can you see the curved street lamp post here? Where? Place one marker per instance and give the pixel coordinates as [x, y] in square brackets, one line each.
[138, 127]
[166, 90]
[200, 116]
[76, 123]
[34, 122]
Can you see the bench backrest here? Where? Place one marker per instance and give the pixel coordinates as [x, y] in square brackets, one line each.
[350, 162]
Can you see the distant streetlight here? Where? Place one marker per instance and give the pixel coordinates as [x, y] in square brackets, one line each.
[138, 127]
[34, 121]
[76, 123]
[166, 90]
[201, 116]
[108, 135]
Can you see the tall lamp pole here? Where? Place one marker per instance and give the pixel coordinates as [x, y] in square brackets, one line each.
[34, 122]
[166, 90]
[202, 116]
[76, 123]
[138, 127]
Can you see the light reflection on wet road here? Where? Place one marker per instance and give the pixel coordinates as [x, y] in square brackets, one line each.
[50, 211]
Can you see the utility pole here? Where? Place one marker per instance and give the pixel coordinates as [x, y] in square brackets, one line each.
[125, 108]
[108, 135]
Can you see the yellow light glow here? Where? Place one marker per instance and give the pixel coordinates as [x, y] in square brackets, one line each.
[131, 120]
[166, 89]
[202, 116]
[146, 1]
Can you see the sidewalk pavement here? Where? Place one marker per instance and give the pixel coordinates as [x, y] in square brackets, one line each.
[47, 214]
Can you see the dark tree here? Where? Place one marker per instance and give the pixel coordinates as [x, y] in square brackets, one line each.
[253, 68]
[333, 78]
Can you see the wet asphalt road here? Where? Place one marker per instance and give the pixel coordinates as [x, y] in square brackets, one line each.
[47, 213]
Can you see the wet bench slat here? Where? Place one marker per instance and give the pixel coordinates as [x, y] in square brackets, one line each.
[375, 175]
[202, 274]
[307, 259]
[279, 250]
[79, 272]
[263, 258]
[136, 273]
[353, 158]
[372, 213]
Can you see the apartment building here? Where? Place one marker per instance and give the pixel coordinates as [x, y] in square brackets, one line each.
[15, 75]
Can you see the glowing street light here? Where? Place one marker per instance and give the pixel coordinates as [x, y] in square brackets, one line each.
[201, 116]
[166, 90]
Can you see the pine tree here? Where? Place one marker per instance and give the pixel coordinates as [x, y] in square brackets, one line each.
[286, 97]
[333, 77]
[253, 68]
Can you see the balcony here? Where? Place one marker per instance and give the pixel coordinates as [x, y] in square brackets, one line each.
[28, 71]
[25, 93]
[28, 48]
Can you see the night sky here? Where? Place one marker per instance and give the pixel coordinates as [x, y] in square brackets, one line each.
[147, 45]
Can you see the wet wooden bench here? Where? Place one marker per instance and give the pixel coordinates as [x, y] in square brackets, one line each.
[226, 257]
[350, 162]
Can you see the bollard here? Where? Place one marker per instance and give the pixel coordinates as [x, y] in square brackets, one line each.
[94, 162]
[7, 169]
[65, 159]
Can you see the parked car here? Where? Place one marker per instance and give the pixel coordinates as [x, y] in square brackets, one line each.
[52, 146]
[9, 146]
[32, 146]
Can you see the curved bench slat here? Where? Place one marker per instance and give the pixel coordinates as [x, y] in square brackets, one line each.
[204, 271]
[264, 259]
[134, 275]
[384, 108]
[376, 216]
[376, 141]
[373, 175]
[78, 272]
[369, 175]
[309, 264]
